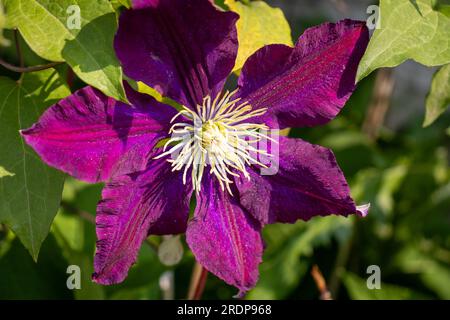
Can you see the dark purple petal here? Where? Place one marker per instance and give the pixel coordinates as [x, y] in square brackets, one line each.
[130, 206]
[139, 4]
[185, 49]
[308, 183]
[309, 84]
[87, 133]
[224, 238]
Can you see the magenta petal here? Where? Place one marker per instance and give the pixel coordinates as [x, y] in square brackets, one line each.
[309, 183]
[87, 133]
[309, 84]
[131, 204]
[185, 49]
[139, 4]
[224, 238]
[363, 210]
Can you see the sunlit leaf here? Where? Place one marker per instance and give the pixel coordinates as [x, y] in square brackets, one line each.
[444, 8]
[143, 88]
[5, 173]
[80, 32]
[409, 30]
[121, 3]
[3, 41]
[258, 25]
[30, 193]
[438, 99]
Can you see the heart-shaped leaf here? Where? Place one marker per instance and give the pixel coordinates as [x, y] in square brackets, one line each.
[3, 41]
[30, 191]
[258, 25]
[439, 98]
[80, 32]
[409, 29]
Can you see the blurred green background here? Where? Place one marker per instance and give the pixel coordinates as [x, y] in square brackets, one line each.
[389, 159]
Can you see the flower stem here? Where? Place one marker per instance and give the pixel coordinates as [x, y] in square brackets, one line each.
[18, 48]
[320, 283]
[28, 69]
[381, 101]
[21, 68]
[70, 77]
[344, 253]
[198, 281]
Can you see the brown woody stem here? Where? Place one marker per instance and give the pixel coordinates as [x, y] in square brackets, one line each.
[198, 281]
[28, 69]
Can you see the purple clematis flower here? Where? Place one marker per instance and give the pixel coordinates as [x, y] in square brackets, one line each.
[186, 49]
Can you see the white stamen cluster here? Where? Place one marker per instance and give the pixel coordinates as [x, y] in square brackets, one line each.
[217, 135]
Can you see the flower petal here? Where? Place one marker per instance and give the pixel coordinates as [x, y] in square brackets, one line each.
[185, 49]
[130, 205]
[309, 84]
[139, 4]
[224, 238]
[87, 133]
[309, 183]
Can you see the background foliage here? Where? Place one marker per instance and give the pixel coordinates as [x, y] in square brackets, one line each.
[388, 157]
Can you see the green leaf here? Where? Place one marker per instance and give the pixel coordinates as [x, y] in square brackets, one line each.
[76, 234]
[283, 264]
[3, 41]
[358, 290]
[439, 97]
[445, 9]
[23, 279]
[143, 88]
[60, 228]
[30, 194]
[434, 275]
[258, 25]
[50, 29]
[142, 278]
[5, 173]
[121, 3]
[409, 30]
[392, 179]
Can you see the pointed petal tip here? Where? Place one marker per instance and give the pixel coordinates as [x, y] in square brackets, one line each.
[26, 132]
[224, 238]
[318, 74]
[350, 23]
[28, 135]
[97, 279]
[241, 294]
[211, 50]
[102, 279]
[88, 135]
[112, 273]
[363, 210]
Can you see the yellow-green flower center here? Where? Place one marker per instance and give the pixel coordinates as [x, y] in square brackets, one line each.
[216, 135]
